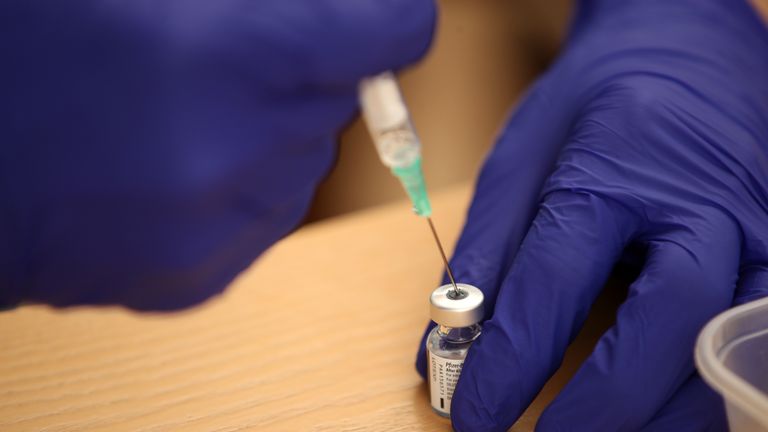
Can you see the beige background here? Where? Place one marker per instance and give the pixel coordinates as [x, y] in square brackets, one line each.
[485, 53]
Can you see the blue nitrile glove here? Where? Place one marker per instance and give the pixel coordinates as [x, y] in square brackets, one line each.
[151, 149]
[651, 129]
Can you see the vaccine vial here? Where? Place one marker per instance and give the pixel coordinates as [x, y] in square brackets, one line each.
[457, 314]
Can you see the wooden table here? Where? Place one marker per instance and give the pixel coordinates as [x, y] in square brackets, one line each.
[320, 334]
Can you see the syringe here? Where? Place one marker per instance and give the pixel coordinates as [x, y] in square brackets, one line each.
[398, 145]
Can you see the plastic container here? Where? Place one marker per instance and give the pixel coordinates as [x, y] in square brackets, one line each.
[732, 357]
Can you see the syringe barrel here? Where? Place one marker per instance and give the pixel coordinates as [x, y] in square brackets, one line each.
[388, 121]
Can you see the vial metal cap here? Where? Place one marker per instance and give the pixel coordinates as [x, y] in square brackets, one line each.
[448, 309]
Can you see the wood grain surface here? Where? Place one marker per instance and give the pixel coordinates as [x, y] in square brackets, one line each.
[320, 334]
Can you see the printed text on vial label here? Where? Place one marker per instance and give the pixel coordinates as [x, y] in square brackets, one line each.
[443, 375]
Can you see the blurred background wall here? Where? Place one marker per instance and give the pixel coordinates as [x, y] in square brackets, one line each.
[484, 55]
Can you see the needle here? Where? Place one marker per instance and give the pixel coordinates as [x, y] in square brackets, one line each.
[442, 254]
[398, 146]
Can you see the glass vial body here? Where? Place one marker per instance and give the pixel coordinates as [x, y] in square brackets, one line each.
[446, 349]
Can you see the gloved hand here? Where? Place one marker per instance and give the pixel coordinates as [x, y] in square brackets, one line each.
[152, 149]
[650, 129]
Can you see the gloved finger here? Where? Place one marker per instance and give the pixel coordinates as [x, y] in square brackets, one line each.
[560, 269]
[508, 192]
[753, 283]
[689, 276]
[506, 196]
[331, 42]
[694, 407]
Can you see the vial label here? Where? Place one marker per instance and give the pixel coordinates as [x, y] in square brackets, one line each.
[443, 375]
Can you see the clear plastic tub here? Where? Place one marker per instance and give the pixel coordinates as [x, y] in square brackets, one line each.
[732, 357]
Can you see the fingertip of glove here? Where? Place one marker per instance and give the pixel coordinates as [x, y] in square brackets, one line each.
[469, 411]
[421, 364]
[469, 414]
[404, 34]
[428, 16]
